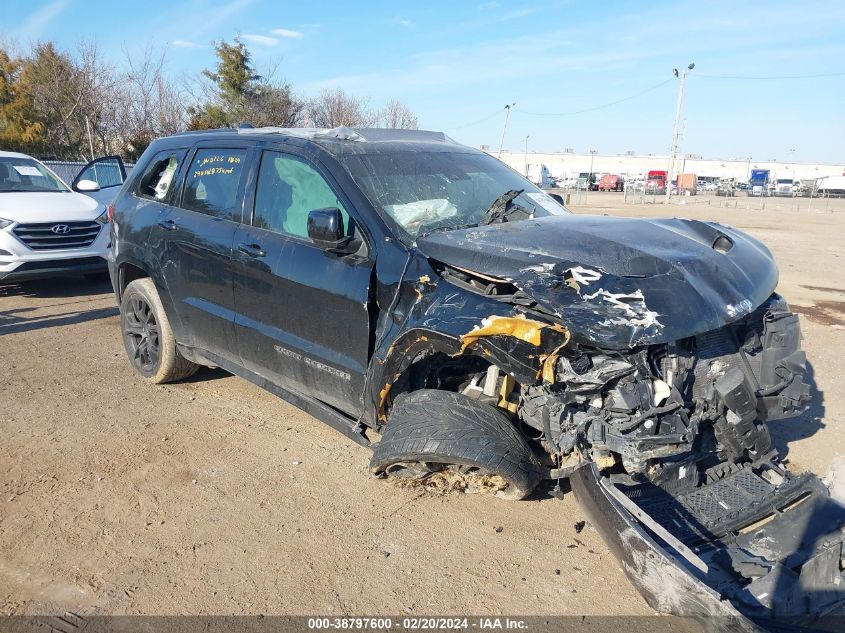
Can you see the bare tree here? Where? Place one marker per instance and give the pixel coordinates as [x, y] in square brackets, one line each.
[71, 104]
[332, 108]
[148, 103]
[397, 115]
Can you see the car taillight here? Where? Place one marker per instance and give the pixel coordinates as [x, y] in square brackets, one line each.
[110, 212]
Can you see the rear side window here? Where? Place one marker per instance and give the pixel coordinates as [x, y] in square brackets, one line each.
[287, 190]
[211, 186]
[159, 178]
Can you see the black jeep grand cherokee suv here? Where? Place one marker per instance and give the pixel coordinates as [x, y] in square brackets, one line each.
[399, 283]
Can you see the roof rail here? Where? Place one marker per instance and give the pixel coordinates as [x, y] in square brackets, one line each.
[209, 131]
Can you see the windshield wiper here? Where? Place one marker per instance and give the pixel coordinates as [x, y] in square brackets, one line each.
[503, 208]
[445, 227]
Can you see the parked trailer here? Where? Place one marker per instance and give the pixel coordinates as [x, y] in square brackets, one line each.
[832, 186]
[539, 174]
[687, 184]
[611, 182]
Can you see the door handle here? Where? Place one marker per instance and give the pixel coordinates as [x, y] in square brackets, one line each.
[253, 250]
[167, 225]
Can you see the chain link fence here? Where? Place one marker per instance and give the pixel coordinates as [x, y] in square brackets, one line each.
[68, 170]
[635, 192]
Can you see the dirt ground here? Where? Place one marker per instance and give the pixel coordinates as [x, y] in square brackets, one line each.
[214, 497]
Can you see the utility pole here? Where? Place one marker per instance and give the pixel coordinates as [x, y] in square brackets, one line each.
[674, 148]
[505, 128]
[526, 155]
[90, 138]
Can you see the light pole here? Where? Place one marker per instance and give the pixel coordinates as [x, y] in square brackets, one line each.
[526, 155]
[505, 127]
[590, 177]
[682, 76]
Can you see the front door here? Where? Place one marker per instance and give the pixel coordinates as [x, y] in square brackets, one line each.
[107, 172]
[197, 237]
[302, 313]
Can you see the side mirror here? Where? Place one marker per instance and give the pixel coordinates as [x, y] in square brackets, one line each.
[326, 230]
[557, 198]
[86, 185]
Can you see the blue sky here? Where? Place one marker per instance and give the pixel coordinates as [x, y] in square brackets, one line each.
[457, 64]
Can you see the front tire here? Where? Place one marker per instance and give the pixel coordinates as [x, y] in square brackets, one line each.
[148, 337]
[439, 433]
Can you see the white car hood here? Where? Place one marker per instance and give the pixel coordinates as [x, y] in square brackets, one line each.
[54, 206]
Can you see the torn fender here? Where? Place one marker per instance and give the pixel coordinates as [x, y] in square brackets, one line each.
[445, 320]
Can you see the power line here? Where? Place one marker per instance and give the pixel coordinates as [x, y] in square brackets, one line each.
[465, 125]
[599, 107]
[772, 77]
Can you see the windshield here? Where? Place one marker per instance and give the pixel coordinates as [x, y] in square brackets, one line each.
[26, 174]
[423, 191]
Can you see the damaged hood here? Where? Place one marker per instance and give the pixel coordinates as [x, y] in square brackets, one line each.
[620, 282]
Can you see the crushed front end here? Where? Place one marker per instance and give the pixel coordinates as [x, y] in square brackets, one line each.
[645, 358]
[681, 475]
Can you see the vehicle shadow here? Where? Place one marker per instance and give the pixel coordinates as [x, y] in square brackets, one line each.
[56, 288]
[206, 374]
[16, 324]
[783, 432]
[31, 317]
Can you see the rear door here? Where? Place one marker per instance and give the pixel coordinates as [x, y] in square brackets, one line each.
[302, 313]
[196, 238]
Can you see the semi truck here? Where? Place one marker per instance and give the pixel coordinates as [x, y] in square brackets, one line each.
[656, 181]
[785, 187]
[759, 182]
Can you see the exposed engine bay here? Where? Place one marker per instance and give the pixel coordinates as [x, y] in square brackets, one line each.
[666, 412]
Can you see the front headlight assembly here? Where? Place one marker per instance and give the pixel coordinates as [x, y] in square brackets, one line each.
[103, 218]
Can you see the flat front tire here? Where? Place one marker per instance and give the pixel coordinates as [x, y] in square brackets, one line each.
[432, 433]
[148, 337]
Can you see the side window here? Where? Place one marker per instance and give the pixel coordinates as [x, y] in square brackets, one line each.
[212, 183]
[287, 190]
[158, 180]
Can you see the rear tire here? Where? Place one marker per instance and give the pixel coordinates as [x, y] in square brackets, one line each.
[431, 431]
[148, 337]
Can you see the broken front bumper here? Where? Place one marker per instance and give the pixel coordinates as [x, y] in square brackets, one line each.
[756, 549]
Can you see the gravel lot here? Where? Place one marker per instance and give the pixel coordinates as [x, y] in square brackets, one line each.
[214, 497]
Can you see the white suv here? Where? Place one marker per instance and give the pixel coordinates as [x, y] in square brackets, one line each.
[48, 228]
